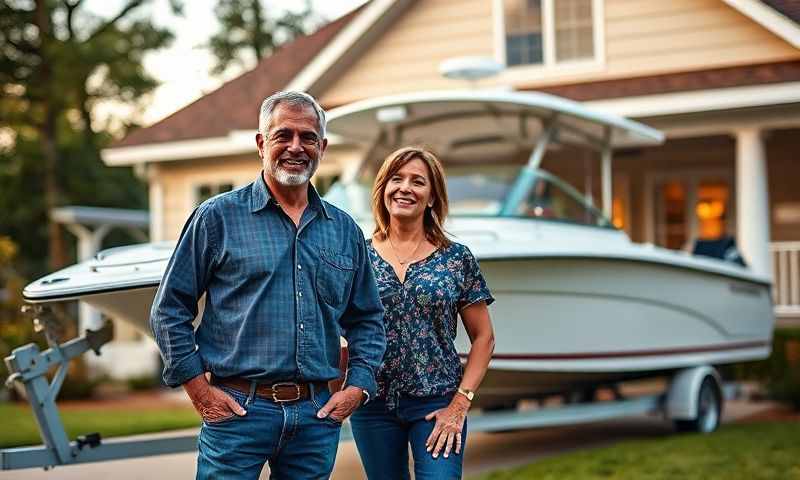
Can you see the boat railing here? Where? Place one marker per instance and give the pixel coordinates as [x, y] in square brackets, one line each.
[786, 281]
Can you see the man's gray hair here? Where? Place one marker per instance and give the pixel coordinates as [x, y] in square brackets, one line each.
[297, 99]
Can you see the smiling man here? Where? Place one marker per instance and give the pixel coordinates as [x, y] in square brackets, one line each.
[284, 274]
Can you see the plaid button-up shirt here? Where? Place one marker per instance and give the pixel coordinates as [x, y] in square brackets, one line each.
[277, 296]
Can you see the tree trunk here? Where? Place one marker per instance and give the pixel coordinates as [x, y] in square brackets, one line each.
[48, 130]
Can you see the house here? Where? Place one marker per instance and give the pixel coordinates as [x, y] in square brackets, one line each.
[720, 77]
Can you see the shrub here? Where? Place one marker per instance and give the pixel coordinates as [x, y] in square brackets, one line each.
[780, 373]
[143, 382]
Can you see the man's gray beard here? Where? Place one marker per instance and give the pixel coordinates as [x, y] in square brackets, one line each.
[292, 179]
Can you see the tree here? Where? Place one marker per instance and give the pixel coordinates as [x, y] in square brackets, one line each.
[247, 32]
[58, 60]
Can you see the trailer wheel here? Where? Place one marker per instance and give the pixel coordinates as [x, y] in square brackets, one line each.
[709, 409]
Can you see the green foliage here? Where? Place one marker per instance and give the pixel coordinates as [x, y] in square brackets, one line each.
[144, 382]
[761, 451]
[248, 33]
[780, 373]
[14, 331]
[19, 426]
[57, 62]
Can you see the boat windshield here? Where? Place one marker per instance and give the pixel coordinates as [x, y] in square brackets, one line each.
[481, 192]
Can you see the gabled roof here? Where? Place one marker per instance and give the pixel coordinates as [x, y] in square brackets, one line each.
[234, 106]
[212, 125]
[778, 16]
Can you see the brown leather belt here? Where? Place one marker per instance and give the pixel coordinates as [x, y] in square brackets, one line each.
[277, 392]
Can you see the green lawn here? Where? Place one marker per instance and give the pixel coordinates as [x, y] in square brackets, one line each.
[18, 427]
[746, 451]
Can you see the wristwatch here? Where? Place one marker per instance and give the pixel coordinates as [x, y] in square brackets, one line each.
[467, 393]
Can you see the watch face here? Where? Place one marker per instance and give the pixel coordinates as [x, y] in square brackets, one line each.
[467, 393]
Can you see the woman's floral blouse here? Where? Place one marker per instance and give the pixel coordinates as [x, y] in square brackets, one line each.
[421, 319]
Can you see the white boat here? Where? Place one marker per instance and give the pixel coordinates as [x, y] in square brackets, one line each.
[578, 304]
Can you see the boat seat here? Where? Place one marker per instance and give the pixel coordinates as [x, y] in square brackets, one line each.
[723, 248]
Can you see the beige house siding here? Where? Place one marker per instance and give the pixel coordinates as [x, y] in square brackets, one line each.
[179, 181]
[642, 37]
[645, 37]
[407, 56]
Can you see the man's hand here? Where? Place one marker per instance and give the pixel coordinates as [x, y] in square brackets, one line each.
[211, 403]
[341, 404]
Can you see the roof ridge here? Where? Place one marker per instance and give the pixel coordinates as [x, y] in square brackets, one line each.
[231, 105]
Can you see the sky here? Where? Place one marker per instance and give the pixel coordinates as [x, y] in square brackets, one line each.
[183, 68]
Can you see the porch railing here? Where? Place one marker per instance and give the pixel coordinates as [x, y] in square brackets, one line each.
[786, 282]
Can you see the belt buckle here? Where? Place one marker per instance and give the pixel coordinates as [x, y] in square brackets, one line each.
[285, 384]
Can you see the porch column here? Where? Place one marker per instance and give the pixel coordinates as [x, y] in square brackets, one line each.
[752, 200]
[89, 242]
[156, 197]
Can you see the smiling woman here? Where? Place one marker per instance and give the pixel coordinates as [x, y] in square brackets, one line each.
[425, 282]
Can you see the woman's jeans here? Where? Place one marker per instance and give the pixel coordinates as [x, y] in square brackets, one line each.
[382, 439]
[288, 435]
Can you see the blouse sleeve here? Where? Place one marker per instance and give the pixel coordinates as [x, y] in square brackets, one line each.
[474, 288]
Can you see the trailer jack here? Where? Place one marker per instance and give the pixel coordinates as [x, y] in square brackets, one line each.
[28, 367]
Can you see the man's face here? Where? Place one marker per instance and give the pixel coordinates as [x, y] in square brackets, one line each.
[293, 147]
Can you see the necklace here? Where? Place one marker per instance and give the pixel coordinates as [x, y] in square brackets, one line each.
[410, 257]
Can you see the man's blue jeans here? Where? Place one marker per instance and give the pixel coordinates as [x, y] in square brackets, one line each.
[288, 435]
[382, 438]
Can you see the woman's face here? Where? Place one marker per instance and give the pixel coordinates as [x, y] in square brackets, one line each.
[408, 191]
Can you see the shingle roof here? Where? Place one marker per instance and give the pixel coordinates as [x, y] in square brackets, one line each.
[788, 8]
[234, 105]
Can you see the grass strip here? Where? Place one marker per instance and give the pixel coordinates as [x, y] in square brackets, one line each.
[18, 426]
[757, 451]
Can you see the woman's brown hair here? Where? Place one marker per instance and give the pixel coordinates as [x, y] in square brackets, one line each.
[434, 216]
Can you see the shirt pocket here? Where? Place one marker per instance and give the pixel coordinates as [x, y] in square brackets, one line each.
[334, 276]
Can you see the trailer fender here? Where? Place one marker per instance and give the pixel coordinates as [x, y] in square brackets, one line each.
[682, 396]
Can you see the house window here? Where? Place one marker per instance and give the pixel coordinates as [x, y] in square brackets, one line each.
[205, 191]
[523, 20]
[542, 32]
[574, 30]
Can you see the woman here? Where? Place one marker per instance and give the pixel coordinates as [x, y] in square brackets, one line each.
[425, 281]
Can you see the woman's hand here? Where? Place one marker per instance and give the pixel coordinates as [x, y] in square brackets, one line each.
[449, 424]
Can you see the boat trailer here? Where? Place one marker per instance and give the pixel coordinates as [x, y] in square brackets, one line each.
[693, 401]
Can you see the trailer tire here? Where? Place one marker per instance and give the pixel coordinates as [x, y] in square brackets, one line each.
[709, 409]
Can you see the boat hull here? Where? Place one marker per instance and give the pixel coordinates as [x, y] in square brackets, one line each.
[566, 324]
[565, 319]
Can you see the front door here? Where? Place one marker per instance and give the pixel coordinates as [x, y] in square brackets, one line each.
[690, 206]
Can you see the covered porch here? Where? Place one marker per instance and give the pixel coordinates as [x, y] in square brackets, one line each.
[720, 173]
[733, 174]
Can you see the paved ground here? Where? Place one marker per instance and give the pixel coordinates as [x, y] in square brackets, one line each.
[485, 451]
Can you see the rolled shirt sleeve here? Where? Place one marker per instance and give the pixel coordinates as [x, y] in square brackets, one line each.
[363, 325]
[473, 288]
[175, 304]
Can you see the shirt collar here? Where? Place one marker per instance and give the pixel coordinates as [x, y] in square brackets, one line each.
[260, 197]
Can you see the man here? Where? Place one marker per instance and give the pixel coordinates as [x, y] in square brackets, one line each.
[284, 273]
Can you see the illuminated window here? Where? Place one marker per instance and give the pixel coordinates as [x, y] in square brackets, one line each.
[711, 209]
[671, 227]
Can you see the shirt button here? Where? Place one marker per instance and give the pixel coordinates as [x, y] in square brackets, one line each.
[301, 326]
[300, 294]
[299, 267]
